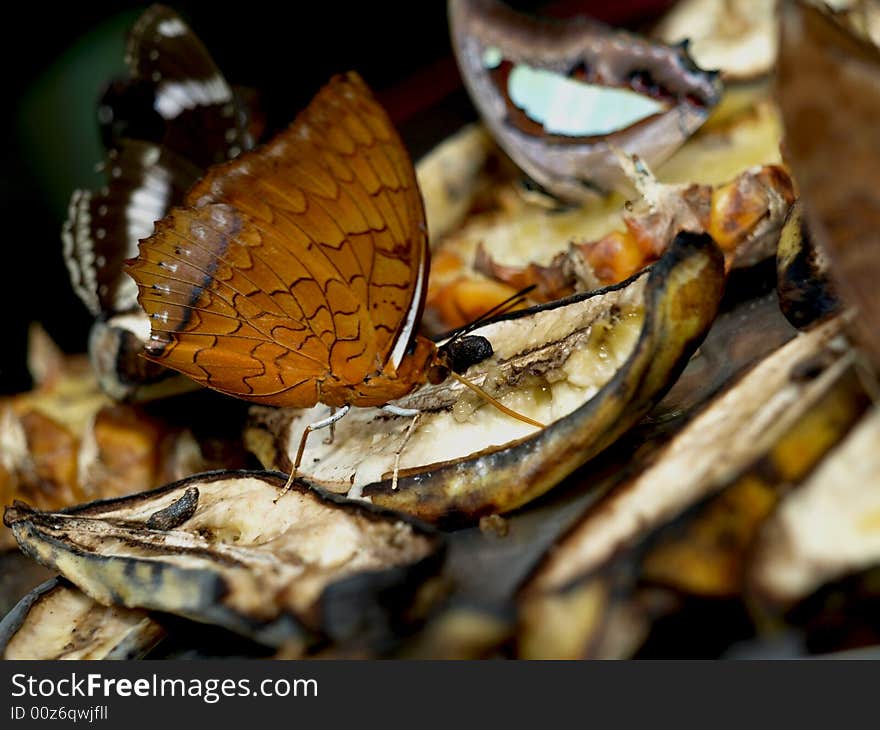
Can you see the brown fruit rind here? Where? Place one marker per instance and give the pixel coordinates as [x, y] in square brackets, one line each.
[681, 299]
[273, 571]
[57, 621]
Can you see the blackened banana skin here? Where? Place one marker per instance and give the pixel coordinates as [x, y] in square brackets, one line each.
[681, 295]
[806, 294]
[308, 568]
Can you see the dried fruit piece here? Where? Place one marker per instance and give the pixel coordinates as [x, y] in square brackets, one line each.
[57, 621]
[830, 99]
[737, 37]
[307, 566]
[767, 429]
[66, 442]
[453, 175]
[743, 216]
[806, 295]
[39, 459]
[588, 367]
[519, 235]
[40, 431]
[566, 624]
[707, 553]
[465, 300]
[828, 527]
[459, 632]
[559, 97]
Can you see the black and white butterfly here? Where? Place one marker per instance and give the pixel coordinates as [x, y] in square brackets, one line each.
[162, 126]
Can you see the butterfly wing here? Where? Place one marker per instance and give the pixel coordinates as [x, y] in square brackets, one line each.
[126, 111]
[163, 126]
[103, 227]
[205, 121]
[299, 262]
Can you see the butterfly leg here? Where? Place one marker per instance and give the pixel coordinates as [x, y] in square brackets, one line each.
[332, 435]
[397, 411]
[316, 426]
[409, 433]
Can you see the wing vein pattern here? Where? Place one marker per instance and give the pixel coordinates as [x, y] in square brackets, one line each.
[295, 263]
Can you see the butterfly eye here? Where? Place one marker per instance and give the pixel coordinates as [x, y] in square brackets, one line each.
[466, 351]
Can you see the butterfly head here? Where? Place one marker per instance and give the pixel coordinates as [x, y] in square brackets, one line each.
[457, 356]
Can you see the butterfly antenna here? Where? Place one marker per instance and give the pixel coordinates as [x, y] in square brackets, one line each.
[495, 402]
[512, 301]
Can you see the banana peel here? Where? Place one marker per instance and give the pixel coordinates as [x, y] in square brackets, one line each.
[230, 549]
[588, 367]
[58, 621]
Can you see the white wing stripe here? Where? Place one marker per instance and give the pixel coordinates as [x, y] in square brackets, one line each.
[410, 324]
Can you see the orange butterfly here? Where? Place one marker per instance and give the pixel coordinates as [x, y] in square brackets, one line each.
[297, 275]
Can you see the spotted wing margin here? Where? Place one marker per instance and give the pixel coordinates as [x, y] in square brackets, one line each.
[103, 227]
[205, 120]
[339, 187]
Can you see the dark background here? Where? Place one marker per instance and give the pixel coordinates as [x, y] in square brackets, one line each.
[56, 58]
